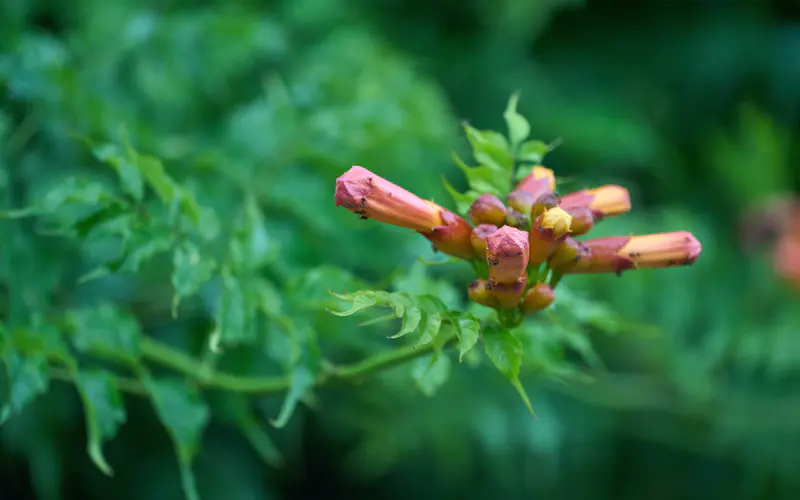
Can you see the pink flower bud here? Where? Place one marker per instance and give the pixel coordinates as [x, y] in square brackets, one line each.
[488, 209]
[539, 297]
[478, 238]
[507, 254]
[582, 220]
[604, 201]
[619, 253]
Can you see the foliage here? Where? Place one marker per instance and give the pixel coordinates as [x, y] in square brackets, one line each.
[168, 241]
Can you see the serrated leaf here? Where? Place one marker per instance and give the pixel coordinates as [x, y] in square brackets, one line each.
[184, 414]
[490, 149]
[303, 377]
[411, 321]
[505, 352]
[431, 373]
[533, 151]
[28, 378]
[463, 201]
[75, 191]
[129, 175]
[432, 322]
[106, 331]
[518, 126]
[468, 330]
[152, 169]
[190, 271]
[104, 412]
[236, 311]
[360, 302]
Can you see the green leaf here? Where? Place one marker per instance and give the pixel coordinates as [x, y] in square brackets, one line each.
[303, 376]
[411, 321]
[129, 174]
[251, 246]
[28, 378]
[270, 302]
[505, 352]
[533, 151]
[190, 271]
[106, 331]
[490, 149]
[153, 171]
[245, 419]
[463, 201]
[360, 302]
[518, 126]
[430, 328]
[431, 373]
[485, 179]
[468, 330]
[236, 312]
[104, 411]
[185, 415]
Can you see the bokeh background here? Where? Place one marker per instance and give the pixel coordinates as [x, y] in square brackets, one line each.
[694, 106]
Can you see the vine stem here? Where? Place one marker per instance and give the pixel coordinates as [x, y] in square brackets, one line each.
[163, 355]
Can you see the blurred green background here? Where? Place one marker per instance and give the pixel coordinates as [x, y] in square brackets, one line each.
[694, 106]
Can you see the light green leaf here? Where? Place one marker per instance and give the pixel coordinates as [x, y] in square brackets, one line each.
[360, 302]
[190, 271]
[431, 373]
[431, 324]
[463, 201]
[106, 331]
[490, 149]
[485, 179]
[251, 246]
[184, 414]
[270, 302]
[411, 321]
[236, 311]
[128, 173]
[468, 330]
[505, 352]
[533, 151]
[153, 171]
[518, 126]
[28, 378]
[303, 377]
[104, 411]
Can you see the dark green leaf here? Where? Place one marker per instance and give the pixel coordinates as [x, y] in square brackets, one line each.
[518, 126]
[236, 313]
[190, 270]
[490, 149]
[106, 331]
[28, 378]
[154, 173]
[251, 246]
[104, 412]
[431, 373]
[185, 415]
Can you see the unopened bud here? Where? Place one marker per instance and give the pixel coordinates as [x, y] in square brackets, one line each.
[479, 292]
[604, 201]
[539, 297]
[540, 181]
[544, 202]
[518, 220]
[620, 253]
[488, 209]
[547, 232]
[453, 237]
[582, 220]
[567, 254]
[507, 254]
[478, 237]
[521, 201]
[508, 295]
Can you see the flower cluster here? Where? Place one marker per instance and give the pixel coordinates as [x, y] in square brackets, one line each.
[523, 241]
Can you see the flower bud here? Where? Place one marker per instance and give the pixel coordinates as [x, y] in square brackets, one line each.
[620, 253]
[604, 201]
[548, 231]
[786, 258]
[518, 220]
[567, 254]
[478, 238]
[521, 201]
[540, 181]
[373, 197]
[508, 295]
[507, 254]
[453, 237]
[544, 202]
[480, 292]
[582, 220]
[539, 297]
[488, 209]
